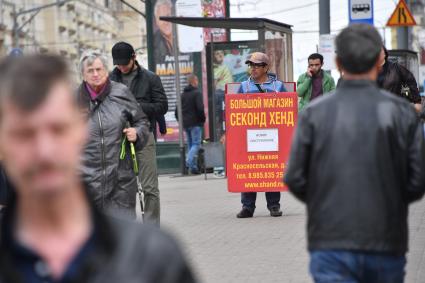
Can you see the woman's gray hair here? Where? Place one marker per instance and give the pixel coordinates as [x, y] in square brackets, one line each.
[90, 56]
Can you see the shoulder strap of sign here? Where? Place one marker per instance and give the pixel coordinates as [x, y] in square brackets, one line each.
[259, 88]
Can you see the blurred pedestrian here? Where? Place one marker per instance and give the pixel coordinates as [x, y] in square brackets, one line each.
[260, 81]
[315, 82]
[193, 120]
[113, 115]
[400, 81]
[52, 231]
[357, 160]
[147, 88]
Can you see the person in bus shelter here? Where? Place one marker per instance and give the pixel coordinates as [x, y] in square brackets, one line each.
[260, 81]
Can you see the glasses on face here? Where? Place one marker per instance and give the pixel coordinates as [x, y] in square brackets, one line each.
[256, 65]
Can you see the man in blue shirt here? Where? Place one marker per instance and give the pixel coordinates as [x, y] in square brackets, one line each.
[260, 81]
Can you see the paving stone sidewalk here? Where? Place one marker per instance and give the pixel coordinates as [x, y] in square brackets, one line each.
[222, 248]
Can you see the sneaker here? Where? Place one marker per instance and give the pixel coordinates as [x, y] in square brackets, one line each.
[219, 172]
[245, 213]
[219, 175]
[275, 212]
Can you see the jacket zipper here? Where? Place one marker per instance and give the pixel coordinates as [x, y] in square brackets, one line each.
[102, 141]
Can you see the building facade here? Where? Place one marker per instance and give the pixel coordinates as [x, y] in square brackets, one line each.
[70, 28]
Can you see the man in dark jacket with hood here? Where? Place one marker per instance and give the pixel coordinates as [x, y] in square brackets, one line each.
[150, 95]
[114, 120]
[357, 160]
[400, 81]
[193, 121]
[51, 231]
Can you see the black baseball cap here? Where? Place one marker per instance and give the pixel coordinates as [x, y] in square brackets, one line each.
[122, 52]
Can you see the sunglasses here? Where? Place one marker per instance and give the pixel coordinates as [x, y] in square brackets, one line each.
[256, 65]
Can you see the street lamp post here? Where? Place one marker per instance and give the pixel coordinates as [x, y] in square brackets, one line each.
[403, 35]
[178, 96]
[16, 29]
[324, 17]
[1, 12]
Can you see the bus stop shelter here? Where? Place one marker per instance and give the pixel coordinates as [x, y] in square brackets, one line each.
[273, 38]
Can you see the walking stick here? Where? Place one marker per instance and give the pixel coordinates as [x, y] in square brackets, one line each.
[135, 168]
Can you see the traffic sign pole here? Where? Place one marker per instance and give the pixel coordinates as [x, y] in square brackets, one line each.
[403, 38]
[324, 17]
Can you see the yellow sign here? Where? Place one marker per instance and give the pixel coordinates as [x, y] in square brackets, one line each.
[401, 16]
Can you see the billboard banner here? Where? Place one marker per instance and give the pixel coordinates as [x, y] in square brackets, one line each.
[214, 9]
[161, 55]
[259, 129]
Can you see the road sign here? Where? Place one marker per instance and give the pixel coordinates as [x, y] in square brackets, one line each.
[401, 17]
[360, 11]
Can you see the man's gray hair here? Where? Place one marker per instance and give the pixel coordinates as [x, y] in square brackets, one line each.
[28, 80]
[161, 3]
[90, 56]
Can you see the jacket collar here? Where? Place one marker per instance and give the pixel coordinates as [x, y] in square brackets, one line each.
[270, 79]
[189, 87]
[321, 74]
[101, 97]
[105, 244]
[357, 83]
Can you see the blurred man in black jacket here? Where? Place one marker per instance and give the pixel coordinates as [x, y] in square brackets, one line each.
[400, 81]
[357, 161]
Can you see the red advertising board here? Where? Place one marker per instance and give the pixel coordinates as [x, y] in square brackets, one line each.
[259, 129]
